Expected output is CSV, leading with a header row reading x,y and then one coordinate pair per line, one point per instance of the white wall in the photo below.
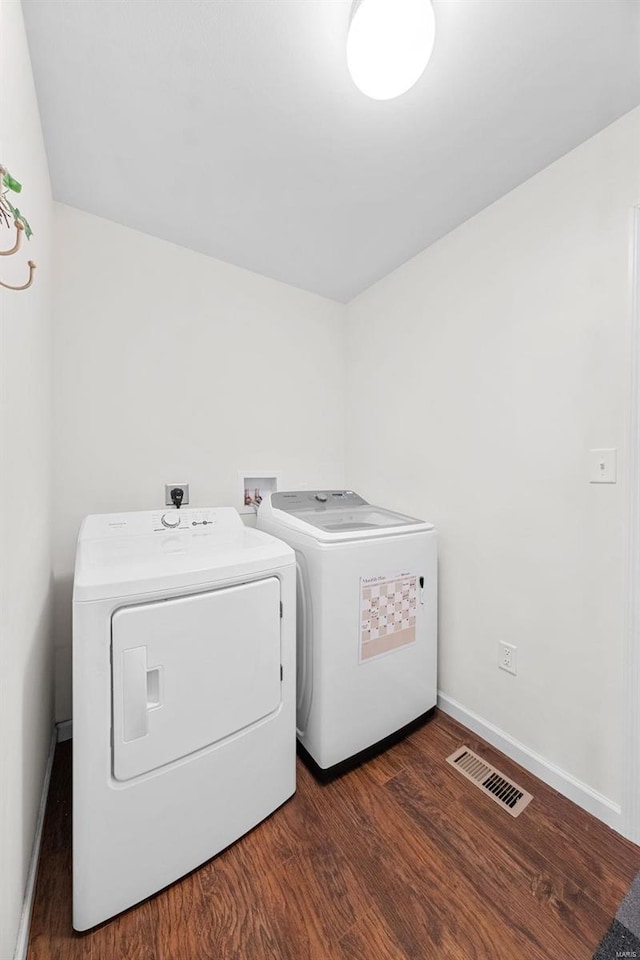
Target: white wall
x,y
26,690
478,377
480,374
174,367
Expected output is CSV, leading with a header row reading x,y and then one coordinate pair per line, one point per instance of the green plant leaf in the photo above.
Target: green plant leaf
x,y
11,183
28,232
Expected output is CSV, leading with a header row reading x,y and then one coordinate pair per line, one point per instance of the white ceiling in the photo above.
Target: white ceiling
x,y
232,126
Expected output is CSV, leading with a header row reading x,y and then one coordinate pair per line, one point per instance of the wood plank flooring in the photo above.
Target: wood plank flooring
x,y
401,859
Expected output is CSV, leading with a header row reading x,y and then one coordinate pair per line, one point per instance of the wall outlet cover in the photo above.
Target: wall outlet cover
x,y
168,487
507,658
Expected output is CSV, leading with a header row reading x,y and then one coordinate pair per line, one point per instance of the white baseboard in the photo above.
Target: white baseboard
x,y
566,784
65,730
22,943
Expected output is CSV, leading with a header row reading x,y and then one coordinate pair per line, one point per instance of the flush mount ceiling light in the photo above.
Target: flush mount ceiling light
x,y
389,45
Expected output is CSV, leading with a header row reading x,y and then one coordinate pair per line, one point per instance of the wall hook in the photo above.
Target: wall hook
x,y
14,249
24,286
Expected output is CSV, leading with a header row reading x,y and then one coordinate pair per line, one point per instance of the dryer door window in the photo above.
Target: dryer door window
x,y
191,671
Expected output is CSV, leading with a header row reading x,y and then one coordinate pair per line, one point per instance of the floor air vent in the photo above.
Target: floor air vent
x,y
505,792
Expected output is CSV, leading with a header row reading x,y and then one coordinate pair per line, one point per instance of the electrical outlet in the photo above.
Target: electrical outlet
x,y
507,657
168,487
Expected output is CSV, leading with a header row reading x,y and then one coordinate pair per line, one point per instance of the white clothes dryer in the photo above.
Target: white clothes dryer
x,y
183,697
367,622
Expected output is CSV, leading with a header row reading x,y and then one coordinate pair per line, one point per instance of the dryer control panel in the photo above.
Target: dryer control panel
x,y
197,520
184,519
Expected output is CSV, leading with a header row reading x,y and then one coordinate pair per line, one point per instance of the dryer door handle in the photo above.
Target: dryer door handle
x,y
134,693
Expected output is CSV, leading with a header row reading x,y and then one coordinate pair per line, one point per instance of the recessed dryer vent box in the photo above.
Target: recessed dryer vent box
x,y
254,485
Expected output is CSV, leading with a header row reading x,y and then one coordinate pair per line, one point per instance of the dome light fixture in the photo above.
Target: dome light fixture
x,y
389,45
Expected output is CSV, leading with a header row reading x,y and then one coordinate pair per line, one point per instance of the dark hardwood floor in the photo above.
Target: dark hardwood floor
x,y
401,858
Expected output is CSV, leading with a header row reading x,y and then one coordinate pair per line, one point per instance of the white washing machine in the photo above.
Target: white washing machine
x,y
183,697
367,621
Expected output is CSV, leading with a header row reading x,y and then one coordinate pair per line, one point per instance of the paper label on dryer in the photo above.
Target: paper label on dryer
x,y
388,606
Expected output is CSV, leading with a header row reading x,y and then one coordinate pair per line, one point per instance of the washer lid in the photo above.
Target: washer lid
x,y
127,554
335,515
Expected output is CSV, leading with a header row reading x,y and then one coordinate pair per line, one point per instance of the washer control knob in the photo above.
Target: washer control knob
x,y
322,497
170,520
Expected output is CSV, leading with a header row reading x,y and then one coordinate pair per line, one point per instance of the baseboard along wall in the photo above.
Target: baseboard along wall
x,y
22,942
566,784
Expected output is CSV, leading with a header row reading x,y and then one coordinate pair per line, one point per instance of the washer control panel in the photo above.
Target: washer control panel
x,y
295,500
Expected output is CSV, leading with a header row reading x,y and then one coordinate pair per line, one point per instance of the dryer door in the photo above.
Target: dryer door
x,y
190,671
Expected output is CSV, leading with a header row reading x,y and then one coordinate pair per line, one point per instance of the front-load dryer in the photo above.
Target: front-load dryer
x,y
367,621
183,697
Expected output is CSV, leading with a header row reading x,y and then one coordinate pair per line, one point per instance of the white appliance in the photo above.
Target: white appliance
x,y
183,697
367,621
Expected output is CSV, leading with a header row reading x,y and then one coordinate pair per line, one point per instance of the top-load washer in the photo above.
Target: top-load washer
x,y
367,620
183,697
